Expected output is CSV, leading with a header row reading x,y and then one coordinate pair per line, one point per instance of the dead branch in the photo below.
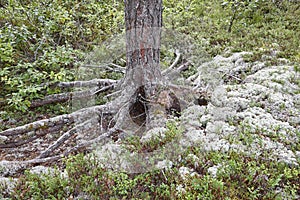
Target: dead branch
x,y
18,165
113,68
40,133
183,67
63,97
93,141
118,67
91,83
18,143
61,119
62,139
59,98
104,89
45,123
178,55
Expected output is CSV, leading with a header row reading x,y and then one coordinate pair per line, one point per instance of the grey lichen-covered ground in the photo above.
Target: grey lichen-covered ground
x,y
254,108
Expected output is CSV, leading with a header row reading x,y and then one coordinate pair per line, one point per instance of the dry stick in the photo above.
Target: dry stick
x,y
93,141
173,64
63,97
232,76
104,89
113,94
18,143
61,119
23,164
57,143
58,98
183,67
119,68
45,123
62,139
37,135
85,144
90,83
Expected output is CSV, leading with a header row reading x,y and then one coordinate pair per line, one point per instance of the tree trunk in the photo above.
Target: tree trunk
x,y
143,20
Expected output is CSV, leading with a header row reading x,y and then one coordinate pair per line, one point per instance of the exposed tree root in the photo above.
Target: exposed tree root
x,y
128,113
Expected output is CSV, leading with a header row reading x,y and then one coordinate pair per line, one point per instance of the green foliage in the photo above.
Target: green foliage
x,y
239,176
253,24
41,38
173,133
44,187
247,10
44,41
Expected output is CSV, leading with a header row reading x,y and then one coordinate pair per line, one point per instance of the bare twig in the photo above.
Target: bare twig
x,y
178,55
93,141
18,143
114,68
104,89
183,67
62,97
232,76
24,164
90,83
113,94
118,67
45,123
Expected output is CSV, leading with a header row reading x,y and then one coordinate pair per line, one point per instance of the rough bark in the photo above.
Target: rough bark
x,y
143,21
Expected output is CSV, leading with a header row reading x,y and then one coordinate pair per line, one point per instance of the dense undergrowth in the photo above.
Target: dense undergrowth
x,y
45,41
242,177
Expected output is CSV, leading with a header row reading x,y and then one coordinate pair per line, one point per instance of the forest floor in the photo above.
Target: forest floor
x,y
249,107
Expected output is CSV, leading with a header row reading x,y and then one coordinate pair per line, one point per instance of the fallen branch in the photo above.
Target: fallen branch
x,y
61,119
228,75
108,68
45,123
24,164
183,67
178,55
62,139
119,68
36,135
93,141
104,89
63,97
91,83
18,143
